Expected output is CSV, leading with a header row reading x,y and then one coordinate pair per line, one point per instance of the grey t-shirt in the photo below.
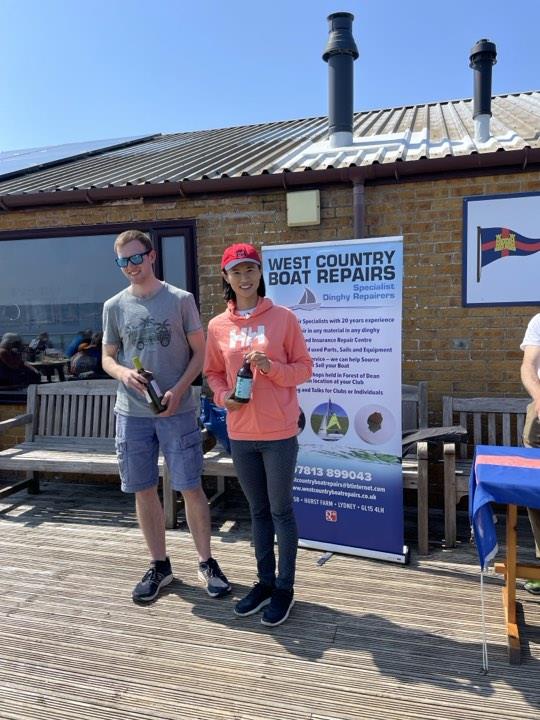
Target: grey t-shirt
x,y
155,328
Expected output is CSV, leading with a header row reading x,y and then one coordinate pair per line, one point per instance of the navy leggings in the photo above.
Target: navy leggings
x,y
265,470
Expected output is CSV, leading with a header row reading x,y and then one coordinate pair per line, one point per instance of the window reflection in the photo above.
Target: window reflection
x,y
59,284
56,285
173,249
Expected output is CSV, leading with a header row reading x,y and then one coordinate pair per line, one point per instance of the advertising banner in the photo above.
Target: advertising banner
x,y
347,296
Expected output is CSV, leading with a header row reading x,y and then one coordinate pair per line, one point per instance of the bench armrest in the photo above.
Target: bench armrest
x,y
25,419
450,434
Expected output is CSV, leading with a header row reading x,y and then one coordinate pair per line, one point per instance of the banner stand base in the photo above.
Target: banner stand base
x,y
402,558
324,558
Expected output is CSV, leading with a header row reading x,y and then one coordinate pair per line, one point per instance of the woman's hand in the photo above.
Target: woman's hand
x,y
259,359
231,404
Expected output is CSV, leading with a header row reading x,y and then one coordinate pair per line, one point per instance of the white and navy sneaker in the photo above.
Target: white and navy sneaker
x,y
216,583
279,608
258,597
156,577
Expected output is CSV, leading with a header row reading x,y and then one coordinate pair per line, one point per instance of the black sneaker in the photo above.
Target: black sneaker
x,y
257,598
216,582
279,608
157,576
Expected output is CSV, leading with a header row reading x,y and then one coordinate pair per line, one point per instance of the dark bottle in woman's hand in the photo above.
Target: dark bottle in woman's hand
x,y
244,383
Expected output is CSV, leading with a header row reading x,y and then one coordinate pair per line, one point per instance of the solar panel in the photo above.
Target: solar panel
x,y
15,162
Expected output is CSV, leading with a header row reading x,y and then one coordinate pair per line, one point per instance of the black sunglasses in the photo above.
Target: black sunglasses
x,y
133,259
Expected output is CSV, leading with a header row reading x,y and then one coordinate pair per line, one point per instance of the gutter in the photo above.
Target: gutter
x,y
505,160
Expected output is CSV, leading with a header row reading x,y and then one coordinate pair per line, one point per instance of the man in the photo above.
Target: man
x,y
161,325
530,377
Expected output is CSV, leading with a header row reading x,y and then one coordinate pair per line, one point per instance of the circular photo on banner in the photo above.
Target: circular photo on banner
x,y
374,424
329,421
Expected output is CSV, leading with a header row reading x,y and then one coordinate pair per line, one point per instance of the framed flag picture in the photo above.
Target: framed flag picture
x,y
501,249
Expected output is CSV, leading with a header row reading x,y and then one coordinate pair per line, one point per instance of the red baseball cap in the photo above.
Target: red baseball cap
x,y
239,253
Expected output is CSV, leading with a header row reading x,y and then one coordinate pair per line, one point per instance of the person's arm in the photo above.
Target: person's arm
x,y
174,395
216,374
129,376
529,374
215,369
11,360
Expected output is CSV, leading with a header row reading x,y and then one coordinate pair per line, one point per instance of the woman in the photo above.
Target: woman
x,y
262,431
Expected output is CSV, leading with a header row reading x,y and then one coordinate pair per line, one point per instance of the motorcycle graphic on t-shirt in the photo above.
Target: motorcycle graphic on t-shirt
x,y
149,332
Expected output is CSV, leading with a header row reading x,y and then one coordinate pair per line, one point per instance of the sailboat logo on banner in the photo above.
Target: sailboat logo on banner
x,y
329,421
308,301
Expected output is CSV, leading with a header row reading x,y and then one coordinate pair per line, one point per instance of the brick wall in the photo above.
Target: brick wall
x,y
427,213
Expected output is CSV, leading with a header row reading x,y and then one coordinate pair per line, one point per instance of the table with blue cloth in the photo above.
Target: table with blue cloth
x,y
510,476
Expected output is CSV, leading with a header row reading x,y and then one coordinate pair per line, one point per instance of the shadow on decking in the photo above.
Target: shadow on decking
x,y
397,651
360,630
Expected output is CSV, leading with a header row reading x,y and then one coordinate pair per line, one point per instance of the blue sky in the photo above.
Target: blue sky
x,y
75,71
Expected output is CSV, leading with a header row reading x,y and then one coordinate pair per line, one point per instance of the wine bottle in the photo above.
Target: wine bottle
x,y
244,383
151,389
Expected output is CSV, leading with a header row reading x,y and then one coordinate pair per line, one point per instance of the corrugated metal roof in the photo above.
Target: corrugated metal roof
x,y
430,131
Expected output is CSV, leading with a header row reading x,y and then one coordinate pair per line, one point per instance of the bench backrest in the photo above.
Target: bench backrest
x,y
75,409
414,406
85,408
489,421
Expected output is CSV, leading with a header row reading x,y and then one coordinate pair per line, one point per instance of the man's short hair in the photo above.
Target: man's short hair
x,y
129,236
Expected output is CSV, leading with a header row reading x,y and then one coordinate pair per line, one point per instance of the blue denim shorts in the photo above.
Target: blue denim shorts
x,y
139,441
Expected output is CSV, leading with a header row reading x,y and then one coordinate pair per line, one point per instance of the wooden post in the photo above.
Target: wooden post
x,y
423,498
449,495
169,499
509,590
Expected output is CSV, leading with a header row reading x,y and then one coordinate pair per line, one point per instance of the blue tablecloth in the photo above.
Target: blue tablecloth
x,y
506,475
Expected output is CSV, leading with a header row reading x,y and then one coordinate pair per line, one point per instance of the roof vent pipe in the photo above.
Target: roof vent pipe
x,y
483,57
340,54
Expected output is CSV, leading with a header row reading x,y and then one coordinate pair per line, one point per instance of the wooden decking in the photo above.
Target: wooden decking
x,y
365,640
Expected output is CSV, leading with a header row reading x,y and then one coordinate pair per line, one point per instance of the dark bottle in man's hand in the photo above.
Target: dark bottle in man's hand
x,y
244,383
152,390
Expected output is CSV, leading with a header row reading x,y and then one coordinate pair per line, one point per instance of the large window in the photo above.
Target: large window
x,y
58,282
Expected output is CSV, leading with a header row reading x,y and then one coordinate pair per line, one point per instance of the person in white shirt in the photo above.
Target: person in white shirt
x,y
530,377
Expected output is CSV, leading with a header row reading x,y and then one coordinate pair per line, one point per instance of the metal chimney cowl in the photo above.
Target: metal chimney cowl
x,y
482,58
340,54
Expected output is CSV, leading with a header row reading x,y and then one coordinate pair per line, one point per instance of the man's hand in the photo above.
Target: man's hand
x,y
171,399
132,379
231,404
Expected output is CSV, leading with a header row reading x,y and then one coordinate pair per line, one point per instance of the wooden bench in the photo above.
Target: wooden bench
x,y
489,421
70,428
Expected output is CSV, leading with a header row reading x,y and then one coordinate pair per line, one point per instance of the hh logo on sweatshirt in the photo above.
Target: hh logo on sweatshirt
x,y
246,337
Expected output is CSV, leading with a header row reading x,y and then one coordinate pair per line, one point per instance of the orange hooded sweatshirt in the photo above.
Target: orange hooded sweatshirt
x,y
272,413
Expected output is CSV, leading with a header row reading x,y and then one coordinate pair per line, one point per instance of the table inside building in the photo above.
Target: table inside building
x,y
50,366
